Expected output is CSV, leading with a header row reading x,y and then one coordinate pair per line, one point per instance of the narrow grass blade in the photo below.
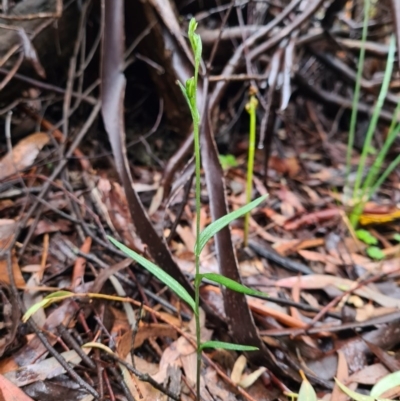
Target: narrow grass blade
x,y
374,118
386,383
356,96
169,281
217,225
228,346
374,170
231,284
386,173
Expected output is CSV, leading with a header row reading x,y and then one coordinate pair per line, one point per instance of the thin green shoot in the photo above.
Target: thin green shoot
x,y
363,190
190,93
357,89
251,108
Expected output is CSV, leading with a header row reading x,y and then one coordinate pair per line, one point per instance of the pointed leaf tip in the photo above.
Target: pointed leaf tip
x,y
227,346
222,222
232,284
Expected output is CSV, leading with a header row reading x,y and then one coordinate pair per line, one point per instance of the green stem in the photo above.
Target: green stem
x,y
196,43
368,192
361,194
197,282
197,255
251,108
373,122
383,177
354,112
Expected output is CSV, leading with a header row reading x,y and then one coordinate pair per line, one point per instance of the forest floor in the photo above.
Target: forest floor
x,y
105,148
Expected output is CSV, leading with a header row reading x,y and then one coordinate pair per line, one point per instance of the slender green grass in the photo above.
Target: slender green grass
x,y
189,90
357,89
364,189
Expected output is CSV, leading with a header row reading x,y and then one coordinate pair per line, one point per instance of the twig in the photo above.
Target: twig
x,y
144,377
55,174
280,260
42,337
75,346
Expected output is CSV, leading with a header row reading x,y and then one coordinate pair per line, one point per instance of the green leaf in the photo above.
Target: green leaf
x,y
222,222
356,396
192,27
231,284
59,295
375,253
164,277
396,237
227,161
183,89
47,301
228,346
366,237
195,41
197,49
386,383
191,90
307,392
33,309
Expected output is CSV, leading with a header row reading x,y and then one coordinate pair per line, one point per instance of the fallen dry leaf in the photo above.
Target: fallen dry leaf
x,y
238,368
23,154
19,280
321,281
155,330
42,370
7,229
342,374
369,375
250,379
11,392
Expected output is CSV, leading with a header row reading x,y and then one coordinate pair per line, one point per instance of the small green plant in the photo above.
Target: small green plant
x,y
364,188
366,237
251,108
373,251
189,91
227,161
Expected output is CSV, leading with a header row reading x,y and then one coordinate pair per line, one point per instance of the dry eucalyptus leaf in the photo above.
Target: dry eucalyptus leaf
x,y
238,368
23,154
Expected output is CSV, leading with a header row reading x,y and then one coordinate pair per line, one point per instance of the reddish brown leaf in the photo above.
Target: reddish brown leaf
x,y
10,392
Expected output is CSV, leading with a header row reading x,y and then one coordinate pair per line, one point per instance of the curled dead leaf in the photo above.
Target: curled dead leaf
x,y
23,154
